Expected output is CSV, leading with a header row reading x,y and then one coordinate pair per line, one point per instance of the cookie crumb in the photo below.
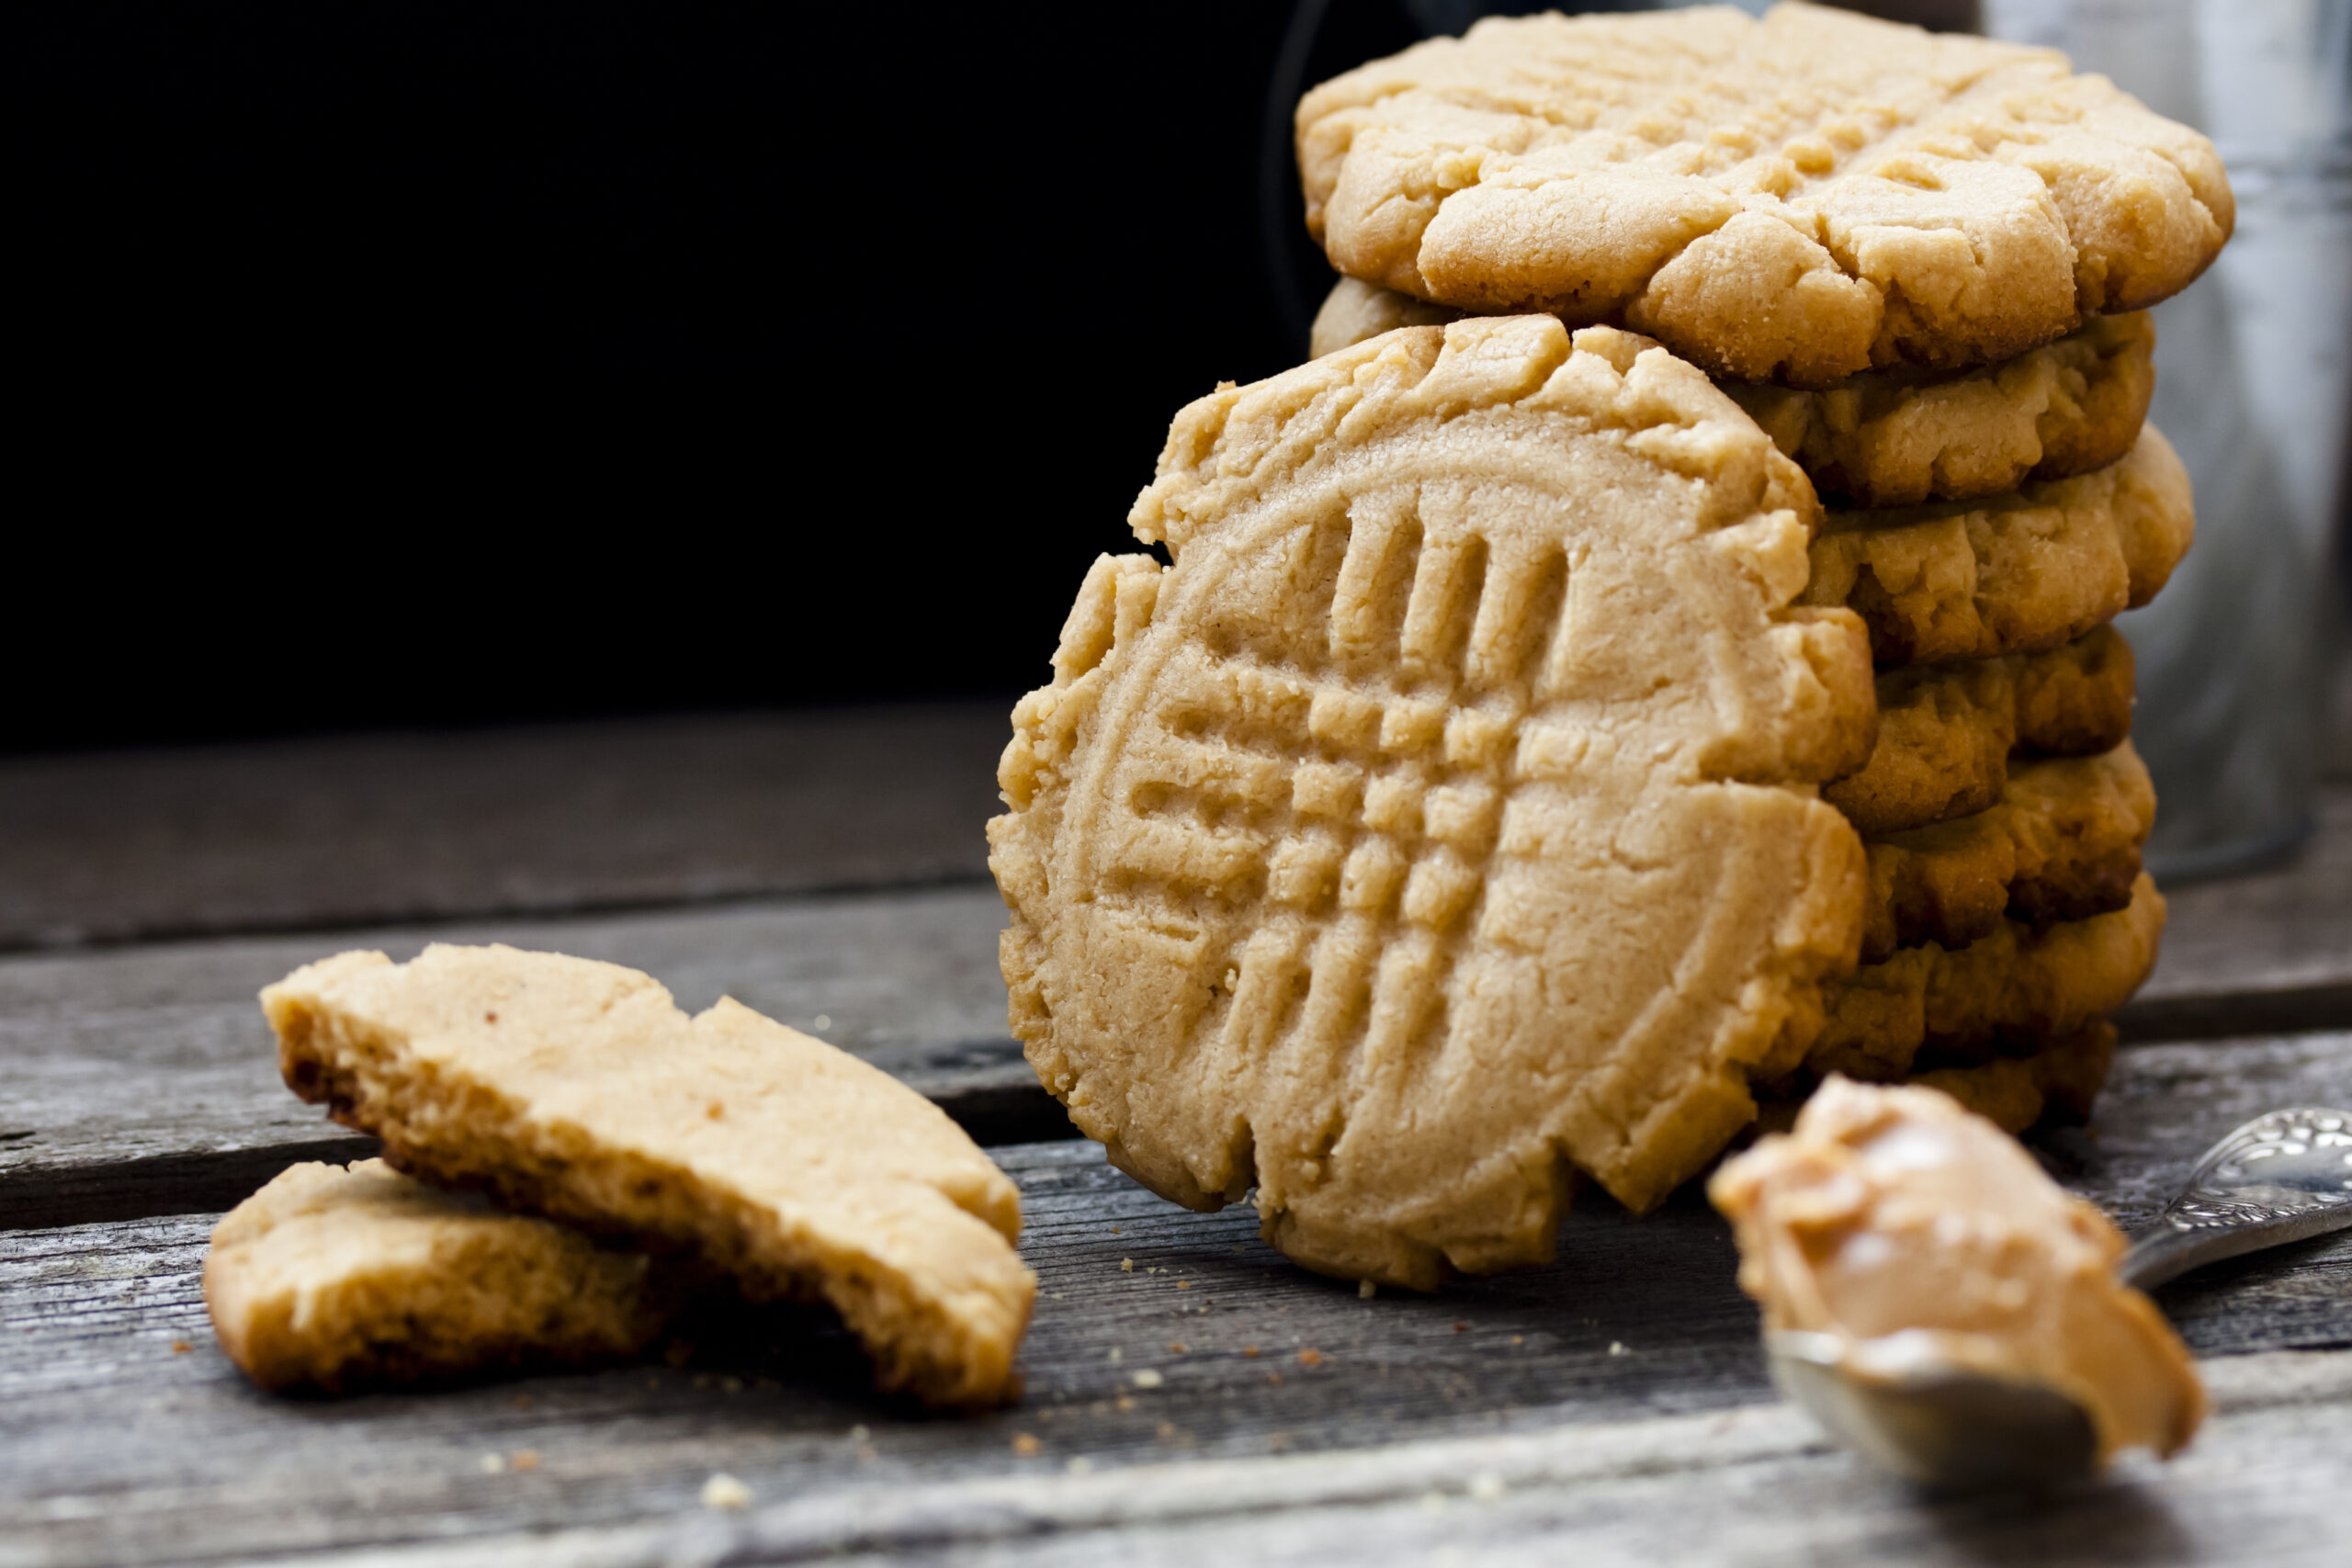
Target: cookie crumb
x,y
1123,1402
1250,1351
1275,1378
524,1459
1519,1339
1310,1357
1365,1290
1177,1346
1183,1285
181,1347
1149,1378
723,1491
1025,1444
1461,1328
1127,1265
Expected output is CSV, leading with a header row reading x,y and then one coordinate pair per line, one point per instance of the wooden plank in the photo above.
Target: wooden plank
x,y
374,829
143,1080
2271,951
1752,1485
908,979
1629,1363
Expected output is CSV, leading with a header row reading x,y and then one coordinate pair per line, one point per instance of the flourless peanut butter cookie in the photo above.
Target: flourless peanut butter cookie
x,y
2030,569
1901,436
2015,988
1442,820
1796,198
2062,843
1946,731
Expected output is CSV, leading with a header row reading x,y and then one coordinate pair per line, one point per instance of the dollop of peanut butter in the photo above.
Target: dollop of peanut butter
x,y
1914,1231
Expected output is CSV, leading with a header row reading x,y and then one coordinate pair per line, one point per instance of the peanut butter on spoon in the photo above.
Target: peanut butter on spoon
x,y
1919,1236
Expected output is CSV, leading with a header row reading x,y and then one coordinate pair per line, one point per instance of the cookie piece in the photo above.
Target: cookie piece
x,y
1945,731
1798,198
1898,437
2032,569
576,1090
336,1278
2020,985
1443,818
2063,843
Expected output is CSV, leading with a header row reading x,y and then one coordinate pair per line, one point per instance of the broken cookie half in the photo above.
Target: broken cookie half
x,y
332,1277
578,1091
1445,819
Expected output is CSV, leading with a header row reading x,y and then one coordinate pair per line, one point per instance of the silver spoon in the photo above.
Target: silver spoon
x,y
2280,1178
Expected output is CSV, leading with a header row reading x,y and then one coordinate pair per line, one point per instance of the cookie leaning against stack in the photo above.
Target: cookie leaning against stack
x,y
1865,233
1445,819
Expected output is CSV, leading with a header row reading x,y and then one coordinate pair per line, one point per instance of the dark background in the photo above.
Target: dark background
x,y
395,364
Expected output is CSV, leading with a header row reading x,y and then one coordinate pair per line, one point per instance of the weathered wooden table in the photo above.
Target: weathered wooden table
x,y
1191,1396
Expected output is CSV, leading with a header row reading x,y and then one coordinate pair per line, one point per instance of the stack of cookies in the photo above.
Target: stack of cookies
x,y
1513,774
1931,297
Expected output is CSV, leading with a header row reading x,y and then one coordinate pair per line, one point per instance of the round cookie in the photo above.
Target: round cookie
x,y
2030,569
2017,987
2062,843
1442,820
1945,731
1796,198
1898,437
1902,436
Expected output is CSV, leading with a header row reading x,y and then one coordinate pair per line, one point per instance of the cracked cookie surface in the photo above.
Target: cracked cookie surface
x,y
579,1090
1799,198
1899,437
1946,731
2030,569
335,1278
1442,819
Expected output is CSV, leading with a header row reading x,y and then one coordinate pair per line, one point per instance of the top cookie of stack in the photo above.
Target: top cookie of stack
x,y
1799,198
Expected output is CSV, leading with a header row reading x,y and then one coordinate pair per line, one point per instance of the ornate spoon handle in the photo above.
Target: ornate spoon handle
x,y
2279,1177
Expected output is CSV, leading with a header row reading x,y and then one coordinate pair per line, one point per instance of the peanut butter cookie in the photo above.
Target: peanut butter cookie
x,y
1898,437
2020,985
1946,731
2063,843
1797,198
578,1091
1442,819
2030,569
2055,1082
335,1278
